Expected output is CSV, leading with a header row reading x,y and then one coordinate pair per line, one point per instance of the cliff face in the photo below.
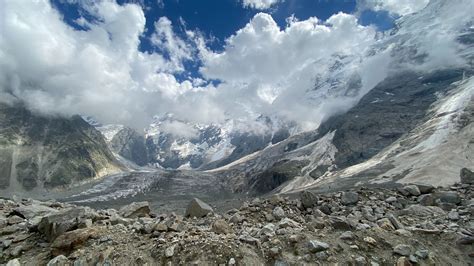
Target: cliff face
x,y
48,152
129,144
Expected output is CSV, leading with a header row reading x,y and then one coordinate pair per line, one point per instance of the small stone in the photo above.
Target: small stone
x,y
231,261
316,246
391,199
169,251
395,222
221,227
349,198
385,223
161,227
453,215
403,261
426,200
236,218
60,260
339,223
448,197
274,251
402,250
13,262
278,213
422,254
360,261
69,241
287,222
347,235
413,190
370,240
268,230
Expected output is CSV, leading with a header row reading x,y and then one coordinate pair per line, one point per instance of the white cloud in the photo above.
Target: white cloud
x,y
303,72
398,7
260,4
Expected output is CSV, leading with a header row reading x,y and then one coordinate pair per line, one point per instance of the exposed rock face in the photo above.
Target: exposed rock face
x,y
131,145
374,231
37,151
198,208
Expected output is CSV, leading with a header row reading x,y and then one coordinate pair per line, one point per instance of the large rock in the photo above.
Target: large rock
x,y
422,211
467,176
30,211
221,227
308,199
198,208
450,197
412,190
349,198
56,224
135,210
69,241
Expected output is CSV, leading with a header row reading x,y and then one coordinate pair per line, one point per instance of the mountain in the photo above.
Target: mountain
x,y
39,152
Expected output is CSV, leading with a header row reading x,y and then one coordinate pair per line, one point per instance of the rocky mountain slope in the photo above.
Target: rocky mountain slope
x,y
38,152
411,225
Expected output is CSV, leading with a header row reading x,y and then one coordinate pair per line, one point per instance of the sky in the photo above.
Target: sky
x,y
209,61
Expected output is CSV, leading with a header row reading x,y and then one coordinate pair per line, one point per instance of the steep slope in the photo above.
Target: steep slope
x,y
47,152
130,144
354,144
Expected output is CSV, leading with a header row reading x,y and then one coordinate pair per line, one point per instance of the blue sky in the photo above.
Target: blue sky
x,y
219,19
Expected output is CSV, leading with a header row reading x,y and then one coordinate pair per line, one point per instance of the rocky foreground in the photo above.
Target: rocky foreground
x,y
410,225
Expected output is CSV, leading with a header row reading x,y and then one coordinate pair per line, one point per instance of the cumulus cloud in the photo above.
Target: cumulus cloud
x,y
397,7
260,4
303,72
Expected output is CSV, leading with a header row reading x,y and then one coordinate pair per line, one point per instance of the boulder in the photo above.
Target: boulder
x,y
69,241
317,246
198,208
220,226
450,197
278,213
422,211
308,199
412,190
349,198
13,262
57,223
339,223
135,210
30,211
467,176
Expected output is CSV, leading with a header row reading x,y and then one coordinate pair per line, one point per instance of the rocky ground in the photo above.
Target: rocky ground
x,y
409,225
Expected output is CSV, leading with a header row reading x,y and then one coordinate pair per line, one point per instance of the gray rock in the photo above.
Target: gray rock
x,y
268,230
448,197
60,260
391,199
287,222
317,246
425,189
422,254
395,222
426,200
169,251
58,223
413,190
278,213
402,250
339,223
348,235
13,262
30,211
308,199
220,226
349,198
135,210
198,208
467,176
453,215
422,211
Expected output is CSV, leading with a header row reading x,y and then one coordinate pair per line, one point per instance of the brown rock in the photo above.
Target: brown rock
x,y
69,241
